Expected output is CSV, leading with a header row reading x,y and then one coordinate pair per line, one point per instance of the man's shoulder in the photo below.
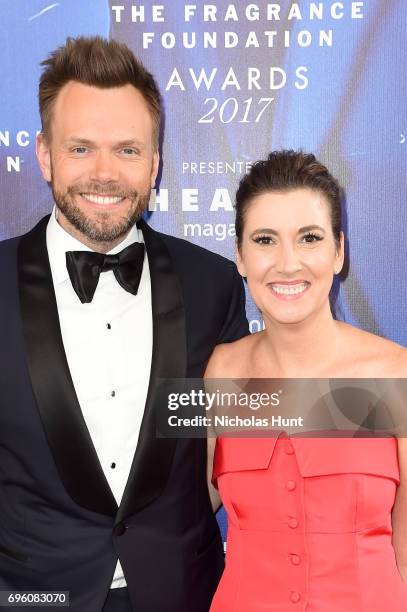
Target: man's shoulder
x,y
9,246
8,261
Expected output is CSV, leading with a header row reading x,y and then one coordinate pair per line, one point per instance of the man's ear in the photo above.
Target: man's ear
x,y
155,167
42,151
239,262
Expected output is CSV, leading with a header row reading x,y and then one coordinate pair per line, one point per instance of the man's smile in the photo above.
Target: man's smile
x,y
102,200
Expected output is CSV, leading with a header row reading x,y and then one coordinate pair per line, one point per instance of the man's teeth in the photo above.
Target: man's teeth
x,y
290,289
97,199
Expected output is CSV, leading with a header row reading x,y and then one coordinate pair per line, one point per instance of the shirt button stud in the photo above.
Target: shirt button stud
x,y
108,326
295,597
293,523
295,559
290,485
113,393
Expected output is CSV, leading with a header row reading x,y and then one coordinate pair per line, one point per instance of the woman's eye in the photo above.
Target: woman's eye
x,y
263,240
310,238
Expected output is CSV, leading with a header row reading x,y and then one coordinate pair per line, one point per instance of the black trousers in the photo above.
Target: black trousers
x,y
118,601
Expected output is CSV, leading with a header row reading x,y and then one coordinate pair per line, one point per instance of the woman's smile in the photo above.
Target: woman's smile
x,y
289,290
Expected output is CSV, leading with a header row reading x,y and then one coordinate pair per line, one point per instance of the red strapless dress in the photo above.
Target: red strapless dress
x,y
309,525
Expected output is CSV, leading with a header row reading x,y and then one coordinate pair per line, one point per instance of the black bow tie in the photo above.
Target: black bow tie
x,y
84,268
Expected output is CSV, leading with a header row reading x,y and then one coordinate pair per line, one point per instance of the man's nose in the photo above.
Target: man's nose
x,y
104,169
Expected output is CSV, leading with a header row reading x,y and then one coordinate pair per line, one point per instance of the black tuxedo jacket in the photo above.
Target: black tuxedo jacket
x,y
60,527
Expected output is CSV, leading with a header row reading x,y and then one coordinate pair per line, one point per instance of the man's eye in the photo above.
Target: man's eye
x,y
79,150
129,151
263,240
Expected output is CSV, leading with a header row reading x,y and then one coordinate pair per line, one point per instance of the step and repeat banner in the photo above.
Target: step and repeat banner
x,y
238,80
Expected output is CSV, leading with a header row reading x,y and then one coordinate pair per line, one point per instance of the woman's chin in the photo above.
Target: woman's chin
x,y
287,315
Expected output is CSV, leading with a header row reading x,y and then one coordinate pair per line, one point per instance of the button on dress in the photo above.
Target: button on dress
x,y
309,525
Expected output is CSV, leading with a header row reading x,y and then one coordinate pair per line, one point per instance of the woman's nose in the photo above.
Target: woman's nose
x,y
288,261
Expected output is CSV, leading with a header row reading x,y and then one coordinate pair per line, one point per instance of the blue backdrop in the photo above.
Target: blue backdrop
x,y
328,77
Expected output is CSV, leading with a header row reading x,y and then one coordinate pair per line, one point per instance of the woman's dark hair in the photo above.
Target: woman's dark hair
x,y
285,171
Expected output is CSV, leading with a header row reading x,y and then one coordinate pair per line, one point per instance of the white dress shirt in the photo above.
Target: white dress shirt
x,y
108,345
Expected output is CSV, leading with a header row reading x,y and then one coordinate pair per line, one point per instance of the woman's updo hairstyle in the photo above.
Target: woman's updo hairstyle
x,y
285,171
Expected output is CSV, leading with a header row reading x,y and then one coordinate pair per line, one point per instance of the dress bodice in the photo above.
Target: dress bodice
x,y
309,524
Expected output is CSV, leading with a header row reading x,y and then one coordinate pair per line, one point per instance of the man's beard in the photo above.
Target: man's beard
x,y
100,227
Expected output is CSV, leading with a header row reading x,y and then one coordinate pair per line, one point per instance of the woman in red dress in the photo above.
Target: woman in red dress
x,y
314,524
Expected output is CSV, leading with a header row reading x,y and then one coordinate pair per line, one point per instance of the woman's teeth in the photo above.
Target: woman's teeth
x,y
289,289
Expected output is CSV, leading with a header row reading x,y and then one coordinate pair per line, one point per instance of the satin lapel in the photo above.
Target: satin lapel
x,y
65,428
153,458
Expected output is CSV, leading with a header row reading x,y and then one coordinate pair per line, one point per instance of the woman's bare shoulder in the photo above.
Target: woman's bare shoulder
x,y
398,361
230,360
383,357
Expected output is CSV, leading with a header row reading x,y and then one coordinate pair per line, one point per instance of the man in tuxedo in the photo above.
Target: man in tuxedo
x,y
96,308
